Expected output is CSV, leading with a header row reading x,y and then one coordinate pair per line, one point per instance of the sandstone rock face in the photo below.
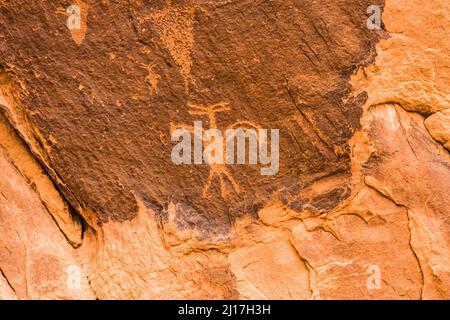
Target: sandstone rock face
x,y
93,206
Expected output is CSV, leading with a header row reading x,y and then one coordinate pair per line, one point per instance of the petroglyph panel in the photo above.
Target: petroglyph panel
x,y
104,107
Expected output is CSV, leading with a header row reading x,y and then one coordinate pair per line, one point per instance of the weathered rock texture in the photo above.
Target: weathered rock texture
x,y
92,206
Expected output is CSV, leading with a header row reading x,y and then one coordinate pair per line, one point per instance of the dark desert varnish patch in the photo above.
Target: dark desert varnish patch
x,y
109,102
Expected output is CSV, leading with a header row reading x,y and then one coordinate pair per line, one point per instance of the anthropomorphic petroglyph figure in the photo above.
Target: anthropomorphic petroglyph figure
x,y
217,170
152,77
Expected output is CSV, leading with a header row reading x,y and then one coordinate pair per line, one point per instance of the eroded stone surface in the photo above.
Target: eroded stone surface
x,y
365,218
35,258
104,107
406,161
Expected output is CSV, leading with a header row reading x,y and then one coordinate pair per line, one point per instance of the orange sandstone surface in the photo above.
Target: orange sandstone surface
x,y
92,205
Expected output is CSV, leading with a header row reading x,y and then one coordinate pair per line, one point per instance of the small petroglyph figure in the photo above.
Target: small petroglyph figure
x,y
152,77
73,281
74,19
374,21
374,277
